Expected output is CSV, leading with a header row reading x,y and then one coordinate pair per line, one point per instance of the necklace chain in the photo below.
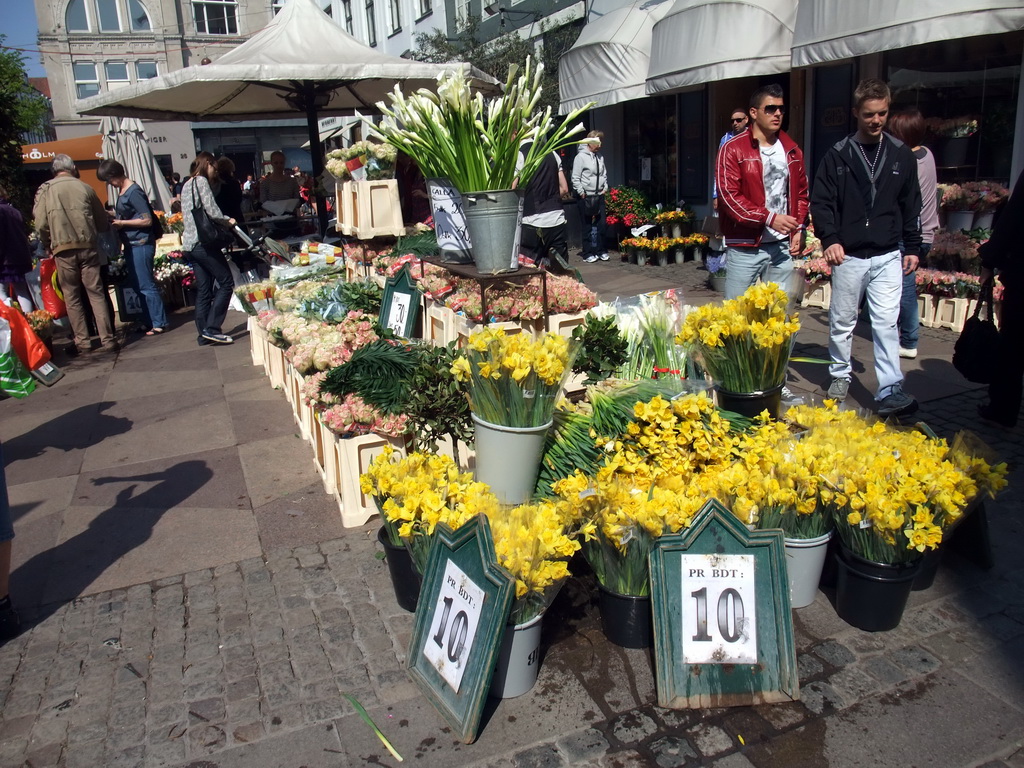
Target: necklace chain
x,y
871,164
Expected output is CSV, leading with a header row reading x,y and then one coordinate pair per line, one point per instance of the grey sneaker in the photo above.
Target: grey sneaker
x,y
908,353
897,403
791,398
838,389
603,257
591,258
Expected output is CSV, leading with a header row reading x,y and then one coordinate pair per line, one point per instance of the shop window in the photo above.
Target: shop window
x,y
76,18
216,17
145,70
371,23
116,73
651,156
395,8
346,8
138,17
967,91
87,83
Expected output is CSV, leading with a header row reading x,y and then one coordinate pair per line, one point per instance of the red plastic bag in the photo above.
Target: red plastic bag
x,y
53,296
26,345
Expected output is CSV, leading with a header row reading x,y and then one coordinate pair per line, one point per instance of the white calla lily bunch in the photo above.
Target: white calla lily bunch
x,y
473,142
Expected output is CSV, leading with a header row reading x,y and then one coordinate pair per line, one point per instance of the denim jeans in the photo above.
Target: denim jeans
x,y
769,262
910,319
139,260
882,278
211,301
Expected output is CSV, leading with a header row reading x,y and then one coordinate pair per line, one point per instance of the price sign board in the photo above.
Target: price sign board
x,y
400,305
723,631
460,621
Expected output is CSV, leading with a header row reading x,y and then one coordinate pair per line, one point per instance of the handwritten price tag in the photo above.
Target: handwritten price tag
x,y
719,622
454,625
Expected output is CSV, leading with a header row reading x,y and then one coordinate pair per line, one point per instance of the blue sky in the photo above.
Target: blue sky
x,y
20,27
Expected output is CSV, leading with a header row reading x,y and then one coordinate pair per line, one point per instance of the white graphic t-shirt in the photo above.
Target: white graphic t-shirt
x,y
776,185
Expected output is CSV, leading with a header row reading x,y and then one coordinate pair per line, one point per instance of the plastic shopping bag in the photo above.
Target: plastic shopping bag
x,y
53,296
14,379
24,342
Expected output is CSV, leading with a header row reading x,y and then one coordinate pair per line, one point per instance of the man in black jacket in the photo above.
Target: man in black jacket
x,y
865,201
1004,251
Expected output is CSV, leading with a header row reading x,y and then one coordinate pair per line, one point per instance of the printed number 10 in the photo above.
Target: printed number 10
x,y
457,636
725,620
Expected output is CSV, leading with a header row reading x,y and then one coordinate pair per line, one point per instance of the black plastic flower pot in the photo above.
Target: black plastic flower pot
x,y
872,596
404,578
626,619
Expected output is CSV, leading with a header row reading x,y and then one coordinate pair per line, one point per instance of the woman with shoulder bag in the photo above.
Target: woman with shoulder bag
x,y
205,239
133,219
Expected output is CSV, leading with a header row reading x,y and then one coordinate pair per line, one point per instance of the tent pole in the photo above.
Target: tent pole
x,y
315,152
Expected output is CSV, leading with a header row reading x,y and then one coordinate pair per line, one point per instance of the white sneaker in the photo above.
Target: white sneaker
x,y
590,259
909,354
603,257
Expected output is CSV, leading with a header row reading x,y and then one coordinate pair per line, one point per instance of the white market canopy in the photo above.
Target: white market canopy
x,y
251,82
829,30
609,62
702,41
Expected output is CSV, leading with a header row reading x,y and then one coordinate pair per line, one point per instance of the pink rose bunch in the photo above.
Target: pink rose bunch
x,y
353,416
566,294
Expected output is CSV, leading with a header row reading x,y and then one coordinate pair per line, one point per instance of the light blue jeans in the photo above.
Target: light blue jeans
x,y
882,278
769,262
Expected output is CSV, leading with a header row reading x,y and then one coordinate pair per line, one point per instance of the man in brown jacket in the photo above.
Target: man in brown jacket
x,y
68,217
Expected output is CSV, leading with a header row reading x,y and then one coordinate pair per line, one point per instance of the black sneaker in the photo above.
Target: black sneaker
x,y
897,403
10,624
218,338
203,342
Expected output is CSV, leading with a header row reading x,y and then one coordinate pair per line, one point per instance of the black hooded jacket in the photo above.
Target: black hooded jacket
x,y
867,219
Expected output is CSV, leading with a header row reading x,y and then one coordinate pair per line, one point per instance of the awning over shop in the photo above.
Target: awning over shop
x,y
86,151
701,41
609,62
829,30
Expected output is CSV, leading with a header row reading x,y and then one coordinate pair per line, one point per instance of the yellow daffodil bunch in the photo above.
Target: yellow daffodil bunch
x,y
514,380
744,342
534,543
417,493
893,493
655,477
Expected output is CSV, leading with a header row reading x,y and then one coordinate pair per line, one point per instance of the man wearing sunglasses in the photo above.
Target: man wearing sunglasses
x,y
738,122
762,193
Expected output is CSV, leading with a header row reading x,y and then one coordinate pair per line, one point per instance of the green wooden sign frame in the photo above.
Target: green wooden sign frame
x,y
401,298
466,555
705,653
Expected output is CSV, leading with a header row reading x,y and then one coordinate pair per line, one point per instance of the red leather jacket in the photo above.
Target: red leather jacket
x,y
740,179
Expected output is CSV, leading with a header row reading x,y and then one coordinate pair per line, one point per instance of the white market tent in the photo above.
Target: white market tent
x,y
702,41
829,30
302,62
124,140
609,62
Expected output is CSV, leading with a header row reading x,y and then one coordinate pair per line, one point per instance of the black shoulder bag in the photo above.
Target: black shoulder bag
x,y
976,352
208,231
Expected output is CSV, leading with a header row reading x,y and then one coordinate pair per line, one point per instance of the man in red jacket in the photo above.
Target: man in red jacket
x,y
762,197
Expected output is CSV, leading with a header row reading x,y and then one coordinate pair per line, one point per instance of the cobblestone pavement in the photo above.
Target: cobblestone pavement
x,y
244,662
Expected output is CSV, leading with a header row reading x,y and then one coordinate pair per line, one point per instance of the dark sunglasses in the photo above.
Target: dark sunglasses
x,y
771,109
738,119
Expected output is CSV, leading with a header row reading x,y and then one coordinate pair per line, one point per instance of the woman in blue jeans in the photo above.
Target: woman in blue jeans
x,y
214,282
133,219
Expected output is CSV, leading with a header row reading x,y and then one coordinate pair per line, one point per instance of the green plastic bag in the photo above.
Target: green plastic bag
x,y
14,379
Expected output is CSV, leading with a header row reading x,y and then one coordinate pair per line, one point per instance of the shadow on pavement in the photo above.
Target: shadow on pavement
x,y
67,570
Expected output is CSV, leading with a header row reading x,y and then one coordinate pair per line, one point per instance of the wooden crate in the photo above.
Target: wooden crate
x,y
370,208
563,323
257,340
301,411
353,456
953,313
464,328
275,366
325,445
439,324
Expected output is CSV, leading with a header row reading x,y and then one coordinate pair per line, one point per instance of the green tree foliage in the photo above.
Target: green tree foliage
x,y
22,109
496,56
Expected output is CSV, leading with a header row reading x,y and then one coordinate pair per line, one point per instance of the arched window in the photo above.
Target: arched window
x,y
138,17
76,19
